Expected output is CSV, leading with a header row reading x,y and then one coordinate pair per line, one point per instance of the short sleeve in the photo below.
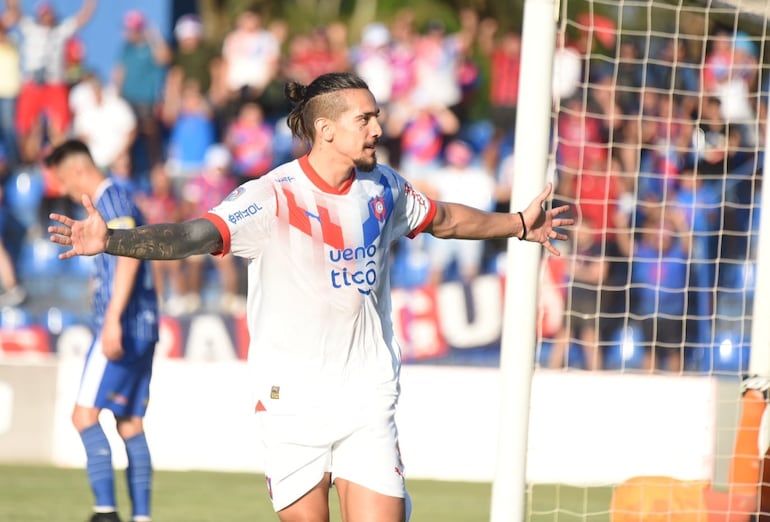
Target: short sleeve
x,y
245,218
414,211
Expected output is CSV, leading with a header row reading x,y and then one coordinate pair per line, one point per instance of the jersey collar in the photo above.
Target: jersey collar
x,y
106,182
319,182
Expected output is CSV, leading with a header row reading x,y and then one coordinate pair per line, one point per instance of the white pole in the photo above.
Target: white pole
x,y
759,360
517,355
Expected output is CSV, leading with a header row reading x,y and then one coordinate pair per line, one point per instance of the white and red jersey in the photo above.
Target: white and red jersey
x,y
318,305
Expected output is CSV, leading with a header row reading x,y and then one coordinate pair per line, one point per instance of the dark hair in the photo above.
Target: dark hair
x,y
63,151
311,101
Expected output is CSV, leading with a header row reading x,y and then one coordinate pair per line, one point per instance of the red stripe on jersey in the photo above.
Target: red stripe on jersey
x,y
332,232
425,222
300,217
224,231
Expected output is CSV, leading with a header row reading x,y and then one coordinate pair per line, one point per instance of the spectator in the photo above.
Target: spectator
x,y
194,62
251,57
587,268
674,72
700,205
160,205
504,92
469,66
403,54
194,58
628,78
139,76
459,181
11,291
10,85
402,64
44,89
421,123
106,124
579,136
373,62
436,61
567,70
250,140
715,143
192,132
659,281
312,54
200,195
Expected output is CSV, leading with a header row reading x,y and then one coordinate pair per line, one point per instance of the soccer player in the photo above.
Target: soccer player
x,y
118,365
317,232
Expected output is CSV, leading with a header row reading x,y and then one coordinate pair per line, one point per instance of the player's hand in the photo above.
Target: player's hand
x,y
541,223
112,339
87,237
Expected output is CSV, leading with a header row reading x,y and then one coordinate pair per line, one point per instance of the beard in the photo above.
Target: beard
x,y
366,164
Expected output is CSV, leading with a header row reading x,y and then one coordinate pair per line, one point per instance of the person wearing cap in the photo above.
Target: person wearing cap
x,y
44,88
194,67
372,61
194,58
139,76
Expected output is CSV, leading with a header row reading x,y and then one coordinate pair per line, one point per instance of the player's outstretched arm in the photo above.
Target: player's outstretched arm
x,y
91,236
538,225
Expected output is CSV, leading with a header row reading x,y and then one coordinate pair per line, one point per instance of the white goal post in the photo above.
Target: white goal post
x,y
523,348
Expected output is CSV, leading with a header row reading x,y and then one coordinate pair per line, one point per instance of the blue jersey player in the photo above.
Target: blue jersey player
x,y
118,366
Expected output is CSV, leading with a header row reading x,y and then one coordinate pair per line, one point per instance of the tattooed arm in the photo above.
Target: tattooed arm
x,y
91,236
165,240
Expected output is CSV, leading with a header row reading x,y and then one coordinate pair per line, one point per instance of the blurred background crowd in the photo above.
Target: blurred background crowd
x,y
656,142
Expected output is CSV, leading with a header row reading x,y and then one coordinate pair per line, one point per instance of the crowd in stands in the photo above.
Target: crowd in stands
x,y
655,147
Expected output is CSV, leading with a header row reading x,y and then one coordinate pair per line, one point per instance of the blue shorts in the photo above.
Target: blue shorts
x,y
123,386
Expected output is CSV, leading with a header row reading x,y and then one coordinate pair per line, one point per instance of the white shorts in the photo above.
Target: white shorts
x,y
362,449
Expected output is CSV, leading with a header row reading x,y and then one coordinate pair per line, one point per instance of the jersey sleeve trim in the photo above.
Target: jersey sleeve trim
x,y
224,231
425,222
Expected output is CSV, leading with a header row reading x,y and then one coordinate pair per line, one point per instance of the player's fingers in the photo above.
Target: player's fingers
x,y
545,193
562,222
560,236
68,254
560,210
62,240
551,248
87,204
64,220
61,231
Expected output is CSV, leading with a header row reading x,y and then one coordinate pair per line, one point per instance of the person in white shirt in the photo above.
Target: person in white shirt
x,y
105,122
251,54
324,359
44,84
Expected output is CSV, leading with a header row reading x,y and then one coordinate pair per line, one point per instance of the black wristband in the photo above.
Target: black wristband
x,y
523,227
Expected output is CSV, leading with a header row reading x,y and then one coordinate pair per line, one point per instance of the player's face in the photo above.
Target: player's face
x,y
68,173
357,131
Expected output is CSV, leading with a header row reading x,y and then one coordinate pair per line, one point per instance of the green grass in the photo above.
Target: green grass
x,y
46,494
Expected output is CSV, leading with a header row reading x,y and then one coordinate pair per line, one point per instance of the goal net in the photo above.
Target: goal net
x,y
658,138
